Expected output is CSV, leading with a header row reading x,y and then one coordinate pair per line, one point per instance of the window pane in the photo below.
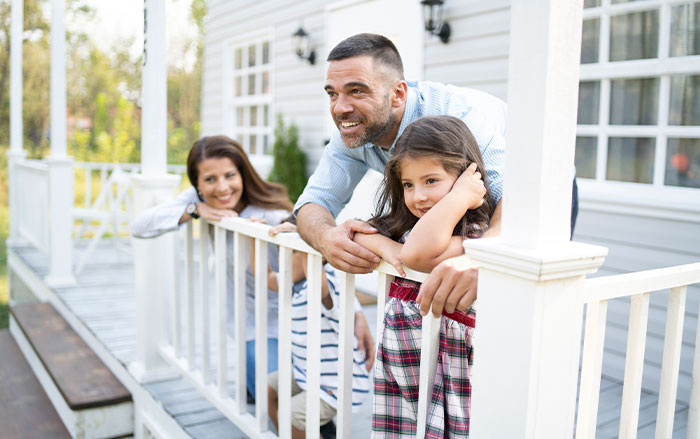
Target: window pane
x,y
266,115
683,163
685,30
239,58
266,145
590,41
634,36
253,144
588,102
253,116
251,84
251,56
238,85
239,116
591,3
621,1
634,101
684,108
265,83
631,159
586,153
266,52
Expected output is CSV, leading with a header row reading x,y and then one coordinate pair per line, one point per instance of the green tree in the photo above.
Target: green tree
x,y
289,161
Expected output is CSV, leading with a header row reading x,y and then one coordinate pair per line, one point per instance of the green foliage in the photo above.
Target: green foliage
x,y
289,165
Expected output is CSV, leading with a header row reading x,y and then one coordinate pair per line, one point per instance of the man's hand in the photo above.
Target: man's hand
x,y
365,342
451,285
337,246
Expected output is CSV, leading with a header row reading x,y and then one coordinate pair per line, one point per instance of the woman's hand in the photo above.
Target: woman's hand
x,y
470,187
213,214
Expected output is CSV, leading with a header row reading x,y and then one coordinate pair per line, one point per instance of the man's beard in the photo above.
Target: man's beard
x,y
372,132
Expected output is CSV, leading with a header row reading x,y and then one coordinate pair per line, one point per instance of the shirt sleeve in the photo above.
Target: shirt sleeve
x,y
334,179
163,217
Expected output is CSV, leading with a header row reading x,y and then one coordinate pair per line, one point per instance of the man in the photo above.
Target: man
x,y
371,104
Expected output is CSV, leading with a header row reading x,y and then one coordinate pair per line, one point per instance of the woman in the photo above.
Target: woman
x,y
225,184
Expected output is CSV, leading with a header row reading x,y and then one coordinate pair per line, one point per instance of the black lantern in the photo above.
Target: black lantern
x,y
432,15
303,49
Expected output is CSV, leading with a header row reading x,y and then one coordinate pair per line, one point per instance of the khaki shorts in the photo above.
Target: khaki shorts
x,y
299,403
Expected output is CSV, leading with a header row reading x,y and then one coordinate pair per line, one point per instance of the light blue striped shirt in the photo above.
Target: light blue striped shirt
x,y
341,168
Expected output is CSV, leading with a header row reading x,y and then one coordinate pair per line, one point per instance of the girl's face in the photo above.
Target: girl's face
x,y
220,182
424,182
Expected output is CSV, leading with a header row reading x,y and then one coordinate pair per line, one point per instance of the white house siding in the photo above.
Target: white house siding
x,y
476,56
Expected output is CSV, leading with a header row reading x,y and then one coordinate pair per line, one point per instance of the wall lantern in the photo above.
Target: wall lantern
x,y
432,15
304,50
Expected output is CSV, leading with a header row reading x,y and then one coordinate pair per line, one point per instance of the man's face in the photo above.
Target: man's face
x,y
360,97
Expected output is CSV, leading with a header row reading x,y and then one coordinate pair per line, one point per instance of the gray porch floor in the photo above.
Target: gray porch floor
x,y
103,299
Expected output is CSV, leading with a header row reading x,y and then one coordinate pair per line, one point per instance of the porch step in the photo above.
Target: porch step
x,y
26,410
89,399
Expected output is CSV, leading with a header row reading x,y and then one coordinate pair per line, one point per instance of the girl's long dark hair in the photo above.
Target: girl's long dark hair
x,y
447,140
256,191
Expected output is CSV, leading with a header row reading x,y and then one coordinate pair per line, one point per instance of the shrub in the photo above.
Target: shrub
x,y
289,161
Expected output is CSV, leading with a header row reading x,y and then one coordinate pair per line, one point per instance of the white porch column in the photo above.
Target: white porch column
x,y
60,165
154,279
16,152
530,301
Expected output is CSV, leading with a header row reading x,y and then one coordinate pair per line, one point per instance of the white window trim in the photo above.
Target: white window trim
x,y
262,162
677,200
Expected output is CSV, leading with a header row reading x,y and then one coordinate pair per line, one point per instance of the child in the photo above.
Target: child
x,y
433,197
330,315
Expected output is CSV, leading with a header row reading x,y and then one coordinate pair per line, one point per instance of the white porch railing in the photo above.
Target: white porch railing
x,y
32,189
638,286
190,348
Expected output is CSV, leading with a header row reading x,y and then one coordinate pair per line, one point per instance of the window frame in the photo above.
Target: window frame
x,y
661,67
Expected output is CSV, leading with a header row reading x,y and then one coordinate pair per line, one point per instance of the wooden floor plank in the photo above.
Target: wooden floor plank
x,y
26,410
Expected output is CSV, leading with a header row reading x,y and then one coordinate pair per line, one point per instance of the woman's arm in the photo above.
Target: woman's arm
x,y
163,217
431,241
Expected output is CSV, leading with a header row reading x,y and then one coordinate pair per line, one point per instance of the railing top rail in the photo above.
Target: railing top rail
x,y
125,166
35,165
294,241
628,284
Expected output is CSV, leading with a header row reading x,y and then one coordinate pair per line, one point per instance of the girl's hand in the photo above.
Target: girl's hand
x,y
470,187
285,227
392,255
207,212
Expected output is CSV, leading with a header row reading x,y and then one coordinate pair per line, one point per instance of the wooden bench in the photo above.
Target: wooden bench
x,y
89,399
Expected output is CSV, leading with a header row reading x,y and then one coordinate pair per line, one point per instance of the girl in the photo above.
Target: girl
x,y
225,184
434,196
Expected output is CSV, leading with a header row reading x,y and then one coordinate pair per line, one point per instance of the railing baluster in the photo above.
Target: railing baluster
x,y
261,334
88,186
345,351
239,267
694,410
220,256
671,362
177,296
383,284
430,345
592,364
204,296
189,282
634,365
313,347
284,357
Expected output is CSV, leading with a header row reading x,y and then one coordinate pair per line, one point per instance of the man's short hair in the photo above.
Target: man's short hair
x,y
379,47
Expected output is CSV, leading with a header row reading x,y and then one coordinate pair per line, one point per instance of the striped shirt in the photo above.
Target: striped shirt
x,y
340,168
330,327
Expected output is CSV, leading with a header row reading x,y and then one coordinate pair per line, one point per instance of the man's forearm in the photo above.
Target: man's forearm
x,y
311,220
495,222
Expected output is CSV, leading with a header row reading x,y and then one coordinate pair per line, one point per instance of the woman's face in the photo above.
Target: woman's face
x,y
219,182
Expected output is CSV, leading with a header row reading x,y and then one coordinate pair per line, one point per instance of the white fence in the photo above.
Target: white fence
x,y
190,350
638,286
32,180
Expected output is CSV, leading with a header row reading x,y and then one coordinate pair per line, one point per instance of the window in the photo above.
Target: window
x,y
250,114
639,94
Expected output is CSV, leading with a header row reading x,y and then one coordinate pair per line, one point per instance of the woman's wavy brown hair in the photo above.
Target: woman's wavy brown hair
x,y
256,191
447,140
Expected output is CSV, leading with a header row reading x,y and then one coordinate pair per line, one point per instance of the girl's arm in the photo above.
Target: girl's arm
x,y
385,248
431,241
